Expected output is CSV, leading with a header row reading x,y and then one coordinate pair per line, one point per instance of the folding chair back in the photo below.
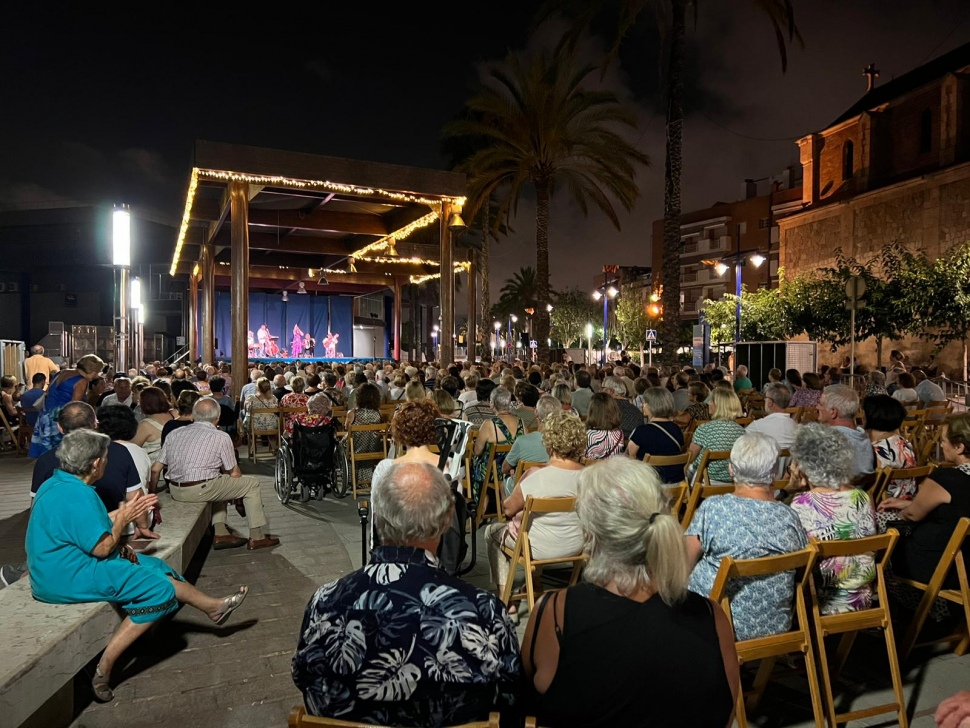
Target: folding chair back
x,y
255,434
521,552
849,624
807,414
12,429
886,476
660,461
677,499
952,558
524,466
354,432
490,496
299,719
767,649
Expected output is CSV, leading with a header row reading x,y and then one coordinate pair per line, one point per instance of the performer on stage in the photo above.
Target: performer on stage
x,y
330,344
309,343
296,346
262,336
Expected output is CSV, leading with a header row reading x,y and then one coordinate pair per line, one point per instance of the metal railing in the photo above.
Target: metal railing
x,y
178,356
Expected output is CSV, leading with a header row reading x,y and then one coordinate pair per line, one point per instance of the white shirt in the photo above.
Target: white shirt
x,y
778,426
468,398
930,391
113,399
143,463
905,395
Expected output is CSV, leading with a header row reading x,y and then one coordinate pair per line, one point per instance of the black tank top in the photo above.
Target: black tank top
x,y
630,664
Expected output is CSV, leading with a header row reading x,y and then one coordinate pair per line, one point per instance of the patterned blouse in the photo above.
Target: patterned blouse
x,y
261,422
292,400
716,436
699,411
400,642
844,582
896,452
805,397
745,528
602,444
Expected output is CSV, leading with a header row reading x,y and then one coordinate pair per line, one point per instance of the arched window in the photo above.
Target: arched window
x,y
848,167
926,132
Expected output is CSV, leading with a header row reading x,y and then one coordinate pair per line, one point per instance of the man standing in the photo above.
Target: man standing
x,y
400,641
838,407
202,468
121,394
262,336
37,363
777,424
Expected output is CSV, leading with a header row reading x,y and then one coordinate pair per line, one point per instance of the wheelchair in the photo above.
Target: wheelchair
x,y
306,465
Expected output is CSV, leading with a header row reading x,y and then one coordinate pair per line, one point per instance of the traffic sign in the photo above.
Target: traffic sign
x,y
533,344
855,288
651,334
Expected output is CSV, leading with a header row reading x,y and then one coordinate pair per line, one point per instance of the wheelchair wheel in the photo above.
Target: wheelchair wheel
x,y
341,483
284,476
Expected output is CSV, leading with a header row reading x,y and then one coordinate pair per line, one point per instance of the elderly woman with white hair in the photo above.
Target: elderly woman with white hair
x,y
833,510
748,524
76,554
634,602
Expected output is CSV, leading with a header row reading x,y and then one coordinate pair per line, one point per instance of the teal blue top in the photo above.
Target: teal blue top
x,y
66,523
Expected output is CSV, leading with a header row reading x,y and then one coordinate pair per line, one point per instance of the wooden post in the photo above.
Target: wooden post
x,y
396,353
193,329
471,339
447,333
208,304
239,285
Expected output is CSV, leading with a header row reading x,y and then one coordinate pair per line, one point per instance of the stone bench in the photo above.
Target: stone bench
x,y
43,646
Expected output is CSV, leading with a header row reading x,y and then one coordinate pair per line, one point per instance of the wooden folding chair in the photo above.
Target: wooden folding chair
x,y
521,553
387,411
754,406
744,421
25,433
660,461
254,435
491,493
807,414
299,719
677,499
12,429
523,466
886,476
364,457
952,557
797,640
849,624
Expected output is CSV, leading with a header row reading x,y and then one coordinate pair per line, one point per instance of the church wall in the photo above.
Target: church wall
x,y
831,184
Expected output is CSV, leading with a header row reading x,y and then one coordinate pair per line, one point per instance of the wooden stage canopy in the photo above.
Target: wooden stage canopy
x,y
267,219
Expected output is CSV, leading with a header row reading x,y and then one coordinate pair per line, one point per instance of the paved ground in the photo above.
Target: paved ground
x,y
189,673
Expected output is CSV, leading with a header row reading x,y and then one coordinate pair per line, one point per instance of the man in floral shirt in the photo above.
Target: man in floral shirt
x,y
400,642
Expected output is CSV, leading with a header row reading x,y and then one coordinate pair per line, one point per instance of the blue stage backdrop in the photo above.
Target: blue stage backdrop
x,y
313,314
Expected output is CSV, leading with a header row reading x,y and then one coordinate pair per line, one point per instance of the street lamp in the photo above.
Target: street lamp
x,y
589,343
497,326
513,319
434,339
606,293
121,259
740,259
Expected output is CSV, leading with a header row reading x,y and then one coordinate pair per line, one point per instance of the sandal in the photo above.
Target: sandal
x,y
100,688
230,604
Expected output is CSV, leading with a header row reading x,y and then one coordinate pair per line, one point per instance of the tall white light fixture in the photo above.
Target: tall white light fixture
x,y
121,237
121,259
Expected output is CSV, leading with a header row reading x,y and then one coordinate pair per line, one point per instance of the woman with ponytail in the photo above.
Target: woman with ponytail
x,y
631,646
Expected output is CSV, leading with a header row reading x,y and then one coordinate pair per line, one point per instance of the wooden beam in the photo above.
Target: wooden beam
x,y
302,274
338,222
213,228
239,289
447,288
275,162
204,210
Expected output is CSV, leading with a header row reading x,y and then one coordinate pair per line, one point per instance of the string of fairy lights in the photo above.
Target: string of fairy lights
x,y
385,244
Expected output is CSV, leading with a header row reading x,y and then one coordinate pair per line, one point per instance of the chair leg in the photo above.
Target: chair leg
x,y
760,683
813,686
912,632
577,570
826,676
897,677
842,654
529,587
739,712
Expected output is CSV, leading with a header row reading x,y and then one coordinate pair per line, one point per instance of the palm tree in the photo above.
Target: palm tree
x,y
544,129
520,292
671,17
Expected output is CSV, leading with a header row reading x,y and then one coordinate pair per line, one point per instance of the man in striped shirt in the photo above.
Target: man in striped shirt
x,y
202,468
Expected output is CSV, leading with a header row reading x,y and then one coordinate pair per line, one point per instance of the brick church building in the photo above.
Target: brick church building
x,y
894,168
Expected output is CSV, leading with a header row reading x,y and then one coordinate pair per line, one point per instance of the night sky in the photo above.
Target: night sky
x,y
101,102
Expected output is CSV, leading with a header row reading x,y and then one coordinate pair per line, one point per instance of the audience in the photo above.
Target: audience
x,y
838,407
30,398
630,417
884,416
400,642
501,429
184,404
776,424
530,447
366,410
660,436
810,394
412,429
718,435
585,658
603,433
155,415
70,385
75,554
551,535
747,524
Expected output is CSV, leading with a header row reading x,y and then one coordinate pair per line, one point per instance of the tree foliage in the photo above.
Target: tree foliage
x,y
572,310
632,320
518,293
763,316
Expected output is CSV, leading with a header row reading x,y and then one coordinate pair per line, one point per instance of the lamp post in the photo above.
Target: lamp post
x,y
497,327
434,340
740,260
606,293
121,259
512,320
589,343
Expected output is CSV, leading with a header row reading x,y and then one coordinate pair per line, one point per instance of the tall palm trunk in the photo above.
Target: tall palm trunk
x,y
541,316
485,321
670,277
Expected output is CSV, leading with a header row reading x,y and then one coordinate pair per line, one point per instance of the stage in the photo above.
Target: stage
x,y
310,359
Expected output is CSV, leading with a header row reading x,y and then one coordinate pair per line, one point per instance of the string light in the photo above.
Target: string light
x,y
280,181
186,214
459,267
387,242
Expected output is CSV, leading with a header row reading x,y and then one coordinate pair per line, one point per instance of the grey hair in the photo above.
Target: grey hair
x,y
631,537
779,394
546,406
843,399
617,385
79,449
412,503
659,401
753,459
319,404
742,370
824,454
501,399
877,377
206,410
562,392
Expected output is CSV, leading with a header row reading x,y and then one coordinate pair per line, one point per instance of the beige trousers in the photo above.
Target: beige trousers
x,y
225,488
497,534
